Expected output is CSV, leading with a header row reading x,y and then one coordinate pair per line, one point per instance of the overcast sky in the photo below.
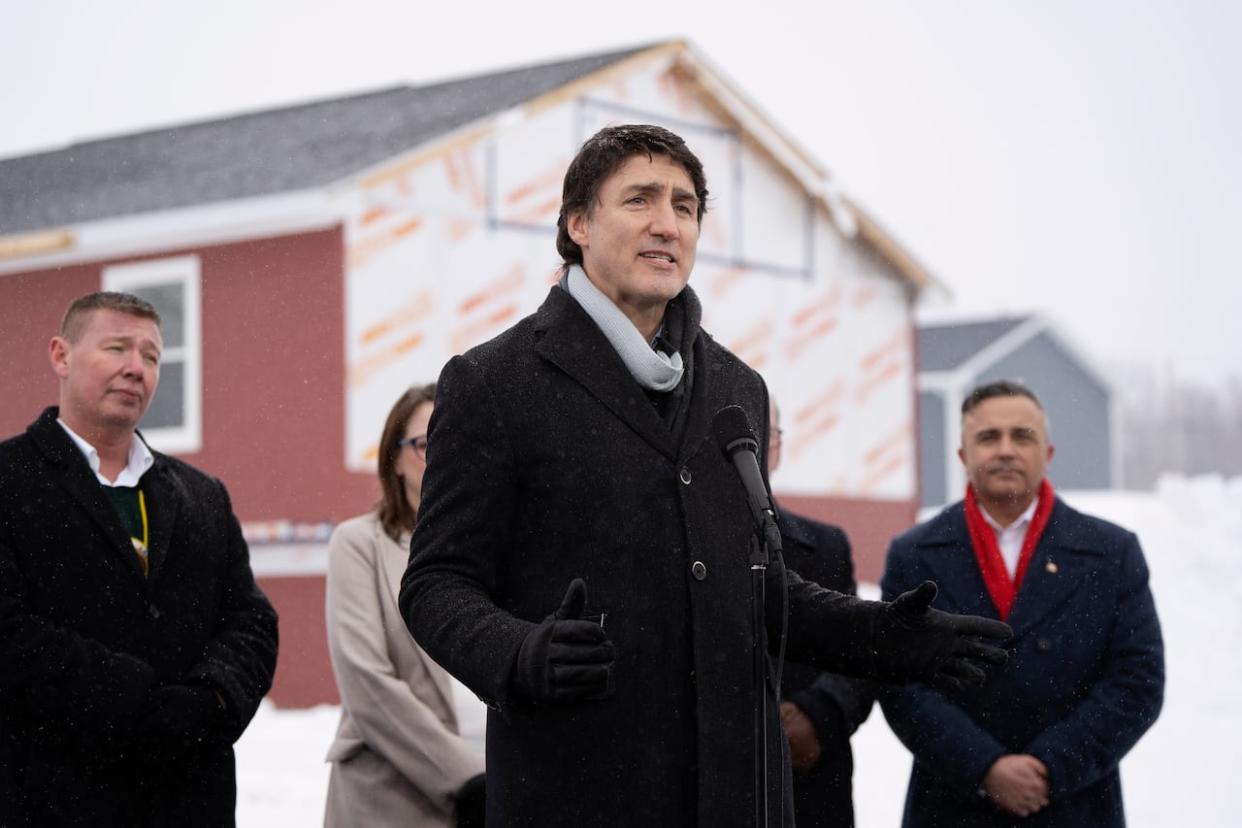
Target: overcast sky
x,y
1081,159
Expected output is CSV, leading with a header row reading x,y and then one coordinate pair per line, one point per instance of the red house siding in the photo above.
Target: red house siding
x,y
273,383
870,524
31,305
273,369
303,668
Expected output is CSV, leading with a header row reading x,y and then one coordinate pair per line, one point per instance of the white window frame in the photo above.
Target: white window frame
x,y
185,271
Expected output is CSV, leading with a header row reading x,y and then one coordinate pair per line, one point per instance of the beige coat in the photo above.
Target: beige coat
x,y
397,758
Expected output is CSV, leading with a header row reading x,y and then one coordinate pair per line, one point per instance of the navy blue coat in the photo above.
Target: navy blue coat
x,y
834,703
1084,681
84,637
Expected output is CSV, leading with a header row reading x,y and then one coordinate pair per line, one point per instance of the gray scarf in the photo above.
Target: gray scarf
x,y
652,369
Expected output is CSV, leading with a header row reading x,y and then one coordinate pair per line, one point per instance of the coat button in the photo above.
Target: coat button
x,y
699,570
1043,645
685,475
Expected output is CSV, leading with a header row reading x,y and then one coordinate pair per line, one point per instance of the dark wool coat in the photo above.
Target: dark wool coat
x,y
548,462
1085,677
84,636
836,704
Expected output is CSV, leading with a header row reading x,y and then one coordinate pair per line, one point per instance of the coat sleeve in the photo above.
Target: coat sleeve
x,y
463,530
240,658
837,705
389,715
1120,707
941,735
66,679
827,629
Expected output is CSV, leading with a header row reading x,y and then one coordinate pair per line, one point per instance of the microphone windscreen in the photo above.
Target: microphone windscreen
x,y
731,425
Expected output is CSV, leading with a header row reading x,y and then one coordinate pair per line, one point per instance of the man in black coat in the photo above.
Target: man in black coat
x,y
819,710
134,644
581,555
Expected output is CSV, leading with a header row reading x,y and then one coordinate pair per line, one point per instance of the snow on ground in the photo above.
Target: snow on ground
x,y
1179,774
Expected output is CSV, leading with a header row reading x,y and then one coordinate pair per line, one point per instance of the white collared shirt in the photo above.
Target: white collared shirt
x,y
1009,538
140,459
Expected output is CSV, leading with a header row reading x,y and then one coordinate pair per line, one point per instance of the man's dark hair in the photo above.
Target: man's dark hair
x,y
80,309
601,156
999,388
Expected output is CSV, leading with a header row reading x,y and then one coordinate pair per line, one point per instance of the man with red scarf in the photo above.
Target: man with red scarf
x,y
1039,743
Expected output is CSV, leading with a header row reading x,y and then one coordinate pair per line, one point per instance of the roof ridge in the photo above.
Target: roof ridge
x,y
290,108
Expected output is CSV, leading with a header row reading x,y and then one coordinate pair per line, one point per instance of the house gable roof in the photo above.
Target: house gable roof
x,y
260,153
302,148
946,347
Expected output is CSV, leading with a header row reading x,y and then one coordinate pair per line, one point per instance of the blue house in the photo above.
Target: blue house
x,y
955,357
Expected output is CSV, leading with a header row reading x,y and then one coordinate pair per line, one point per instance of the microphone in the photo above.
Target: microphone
x,y
737,441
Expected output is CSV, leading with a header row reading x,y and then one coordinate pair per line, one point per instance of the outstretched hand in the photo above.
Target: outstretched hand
x,y
565,658
946,651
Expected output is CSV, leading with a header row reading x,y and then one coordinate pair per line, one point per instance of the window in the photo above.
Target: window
x,y
173,423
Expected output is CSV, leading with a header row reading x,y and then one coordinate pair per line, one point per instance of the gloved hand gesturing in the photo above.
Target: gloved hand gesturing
x,y
565,658
914,641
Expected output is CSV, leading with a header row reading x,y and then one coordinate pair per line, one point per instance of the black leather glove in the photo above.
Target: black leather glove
x,y
914,641
471,800
178,719
565,658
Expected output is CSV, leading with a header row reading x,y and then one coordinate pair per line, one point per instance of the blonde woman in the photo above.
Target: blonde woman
x,y
397,758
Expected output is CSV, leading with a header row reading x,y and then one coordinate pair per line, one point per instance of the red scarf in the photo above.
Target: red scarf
x,y
987,551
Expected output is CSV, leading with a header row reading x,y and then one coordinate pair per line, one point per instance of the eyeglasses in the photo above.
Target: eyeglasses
x,y
419,444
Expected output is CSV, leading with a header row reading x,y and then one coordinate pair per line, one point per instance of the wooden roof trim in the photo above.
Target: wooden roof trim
x,y
35,243
888,247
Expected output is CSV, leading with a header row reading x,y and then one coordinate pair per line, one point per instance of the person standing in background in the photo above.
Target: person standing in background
x,y
819,710
397,759
1039,741
135,645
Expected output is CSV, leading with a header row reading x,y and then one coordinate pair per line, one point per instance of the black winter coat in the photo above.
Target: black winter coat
x,y
836,704
546,462
84,636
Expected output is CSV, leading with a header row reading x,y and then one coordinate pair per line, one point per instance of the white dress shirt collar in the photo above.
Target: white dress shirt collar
x,y
139,461
1010,538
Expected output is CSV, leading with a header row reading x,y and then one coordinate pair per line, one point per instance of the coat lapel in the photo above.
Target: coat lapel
x,y
394,556
573,343
74,475
163,496
1054,573
702,409
951,559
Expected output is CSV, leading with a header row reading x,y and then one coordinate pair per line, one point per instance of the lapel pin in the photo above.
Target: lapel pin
x,y
1051,567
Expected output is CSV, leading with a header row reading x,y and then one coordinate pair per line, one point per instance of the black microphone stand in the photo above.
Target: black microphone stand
x,y
767,536
759,649
738,443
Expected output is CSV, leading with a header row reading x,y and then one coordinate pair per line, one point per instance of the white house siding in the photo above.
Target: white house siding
x,y
447,248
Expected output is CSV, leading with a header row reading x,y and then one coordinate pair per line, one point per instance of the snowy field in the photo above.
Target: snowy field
x,y
1179,774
